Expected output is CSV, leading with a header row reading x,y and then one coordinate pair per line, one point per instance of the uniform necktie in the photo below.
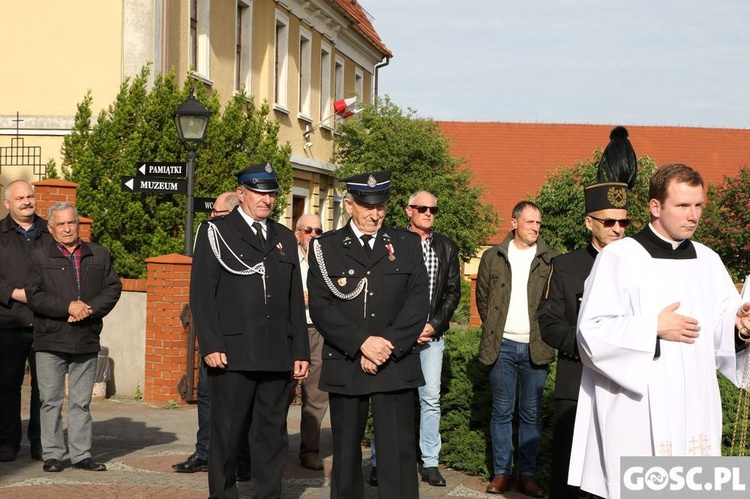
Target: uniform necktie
x,y
259,229
366,243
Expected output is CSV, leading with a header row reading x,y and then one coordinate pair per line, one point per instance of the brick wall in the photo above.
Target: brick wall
x,y
473,313
51,191
168,289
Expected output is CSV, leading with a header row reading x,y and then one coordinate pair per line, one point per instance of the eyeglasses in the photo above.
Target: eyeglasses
x,y
422,209
610,222
309,230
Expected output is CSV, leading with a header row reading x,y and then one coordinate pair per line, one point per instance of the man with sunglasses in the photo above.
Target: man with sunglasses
x,y
606,219
314,400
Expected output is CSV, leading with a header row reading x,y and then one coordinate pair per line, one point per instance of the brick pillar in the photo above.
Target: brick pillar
x,y
168,291
55,190
473,313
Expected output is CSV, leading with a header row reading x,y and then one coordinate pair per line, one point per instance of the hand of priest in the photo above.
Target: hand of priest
x,y
672,326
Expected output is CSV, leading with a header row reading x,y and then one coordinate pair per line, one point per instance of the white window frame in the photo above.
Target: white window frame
x,y
305,74
359,84
281,62
245,62
202,58
339,71
326,103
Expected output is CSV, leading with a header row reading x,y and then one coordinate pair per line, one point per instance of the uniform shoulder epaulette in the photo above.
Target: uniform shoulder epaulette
x,y
327,234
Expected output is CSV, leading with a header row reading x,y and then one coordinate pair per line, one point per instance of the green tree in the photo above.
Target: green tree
x,y
139,126
561,200
388,138
725,224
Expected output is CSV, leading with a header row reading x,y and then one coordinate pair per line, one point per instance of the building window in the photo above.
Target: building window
x,y
326,103
199,37
305,70
359,84
243,39
281,61
338,81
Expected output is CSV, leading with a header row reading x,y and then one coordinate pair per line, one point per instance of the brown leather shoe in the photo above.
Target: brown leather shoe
x,y
528,486
499,484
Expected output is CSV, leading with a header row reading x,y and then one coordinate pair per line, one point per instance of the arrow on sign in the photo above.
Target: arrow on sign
x,y
154,185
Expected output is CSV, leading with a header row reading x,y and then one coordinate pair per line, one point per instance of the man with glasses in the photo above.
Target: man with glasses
x,y
314,400
369,299
606,219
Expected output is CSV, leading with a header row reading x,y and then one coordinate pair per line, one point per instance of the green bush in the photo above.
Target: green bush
x,y
462,313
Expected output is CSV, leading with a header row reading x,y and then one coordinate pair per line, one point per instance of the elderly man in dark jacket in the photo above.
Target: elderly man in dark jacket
x,y
72,286
20,232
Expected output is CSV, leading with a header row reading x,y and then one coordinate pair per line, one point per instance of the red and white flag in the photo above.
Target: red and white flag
x,y
345,107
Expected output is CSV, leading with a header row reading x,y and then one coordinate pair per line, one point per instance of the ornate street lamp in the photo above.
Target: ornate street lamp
x,y
191,119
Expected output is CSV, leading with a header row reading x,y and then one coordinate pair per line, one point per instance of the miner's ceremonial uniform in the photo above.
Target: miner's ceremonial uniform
x,y
353,296
247,301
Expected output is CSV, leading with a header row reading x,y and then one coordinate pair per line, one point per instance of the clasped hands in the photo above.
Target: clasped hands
x,y
376,351
672,326
78,310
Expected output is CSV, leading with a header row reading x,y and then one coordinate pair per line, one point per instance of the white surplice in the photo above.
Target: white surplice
x,y
631,403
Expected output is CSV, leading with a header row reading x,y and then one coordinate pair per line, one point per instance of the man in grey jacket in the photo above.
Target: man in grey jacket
x,y
510,282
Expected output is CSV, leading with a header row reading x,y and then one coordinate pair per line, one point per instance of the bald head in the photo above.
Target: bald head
x,y
20,202
308,226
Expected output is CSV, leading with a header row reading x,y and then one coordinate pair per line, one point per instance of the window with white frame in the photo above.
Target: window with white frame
x,y
305,70
359,84
281,60
338,81
243,41
198,51
326,104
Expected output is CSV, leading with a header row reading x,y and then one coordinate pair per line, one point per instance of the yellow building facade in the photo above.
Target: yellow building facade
x,y
299,55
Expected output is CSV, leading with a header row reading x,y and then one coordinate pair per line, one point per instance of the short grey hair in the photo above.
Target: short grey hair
x,y
61,206
414,196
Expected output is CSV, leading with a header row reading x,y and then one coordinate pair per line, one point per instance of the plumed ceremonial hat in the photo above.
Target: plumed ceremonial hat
x,y
259,178
618,162
369,188
606,195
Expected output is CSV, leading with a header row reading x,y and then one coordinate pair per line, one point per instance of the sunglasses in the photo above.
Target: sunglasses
x,y
422,209
309,230
610,222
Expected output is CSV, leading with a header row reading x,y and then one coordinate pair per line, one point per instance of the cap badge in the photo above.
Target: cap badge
x,y
371,182
269,168
617,197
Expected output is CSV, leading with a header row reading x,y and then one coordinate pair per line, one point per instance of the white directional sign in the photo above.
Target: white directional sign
x,y
147,168
154,185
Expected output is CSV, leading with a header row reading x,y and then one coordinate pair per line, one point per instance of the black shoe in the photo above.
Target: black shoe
x,y
311,462
373,480
36,450
7,454
243,474
191,465
89,464
52,465
433,477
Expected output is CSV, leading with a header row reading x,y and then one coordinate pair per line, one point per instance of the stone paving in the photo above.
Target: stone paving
x,y
139,443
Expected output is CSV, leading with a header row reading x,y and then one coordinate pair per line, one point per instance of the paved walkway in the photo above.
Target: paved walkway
x,y
139,442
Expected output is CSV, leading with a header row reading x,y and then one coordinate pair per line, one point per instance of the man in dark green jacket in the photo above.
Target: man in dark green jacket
x,y
72,286
510,282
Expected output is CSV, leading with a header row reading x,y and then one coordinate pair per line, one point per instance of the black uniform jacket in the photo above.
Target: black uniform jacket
x,y
394,305
447,292
558,316
52,287
230,312
14,270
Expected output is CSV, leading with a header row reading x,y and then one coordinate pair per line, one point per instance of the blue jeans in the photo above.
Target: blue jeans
x,y
513,365
51,368
431,357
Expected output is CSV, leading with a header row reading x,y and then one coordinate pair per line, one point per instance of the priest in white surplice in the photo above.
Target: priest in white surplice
x,y
659,316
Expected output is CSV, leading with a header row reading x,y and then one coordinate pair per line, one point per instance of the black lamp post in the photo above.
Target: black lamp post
x,y
191,119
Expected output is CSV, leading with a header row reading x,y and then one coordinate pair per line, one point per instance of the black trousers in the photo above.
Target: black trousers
x,y
12,368
562,444
393,417
236,398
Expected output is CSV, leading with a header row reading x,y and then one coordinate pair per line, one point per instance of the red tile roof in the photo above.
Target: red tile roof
x,y
512,159
361,22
